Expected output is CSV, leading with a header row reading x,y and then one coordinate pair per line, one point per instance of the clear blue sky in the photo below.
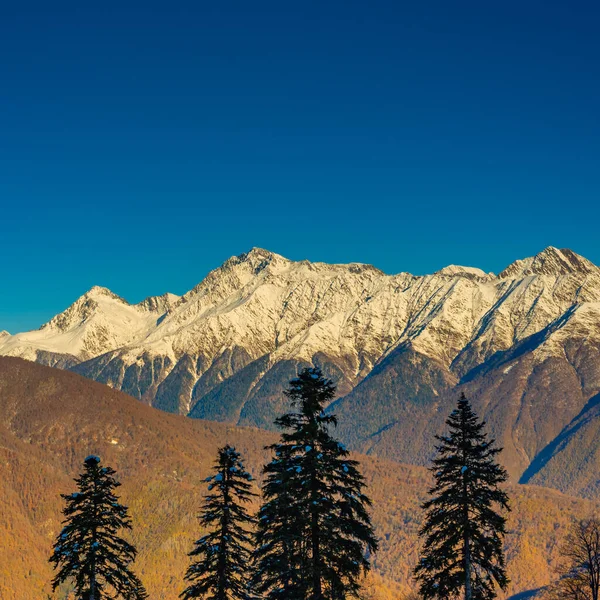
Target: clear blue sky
x,y
143,144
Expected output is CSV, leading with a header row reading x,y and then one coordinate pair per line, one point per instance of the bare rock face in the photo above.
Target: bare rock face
x,y
523,344
551,261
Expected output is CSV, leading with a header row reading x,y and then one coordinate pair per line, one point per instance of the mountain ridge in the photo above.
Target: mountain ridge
x,y
399,347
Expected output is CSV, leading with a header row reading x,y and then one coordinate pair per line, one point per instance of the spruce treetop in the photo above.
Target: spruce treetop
x,y
310,392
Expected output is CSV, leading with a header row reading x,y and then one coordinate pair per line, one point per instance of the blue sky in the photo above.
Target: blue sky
x,y
141,144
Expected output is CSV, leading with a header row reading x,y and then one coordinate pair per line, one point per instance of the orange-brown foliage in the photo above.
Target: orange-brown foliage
x,y
50,420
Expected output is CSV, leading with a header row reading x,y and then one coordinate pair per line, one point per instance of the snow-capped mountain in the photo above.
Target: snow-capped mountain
x,y
397,345
97,322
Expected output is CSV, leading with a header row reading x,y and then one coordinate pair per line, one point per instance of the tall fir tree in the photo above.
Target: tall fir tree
x,y
314,530
221,559
464,530
88,550
281,549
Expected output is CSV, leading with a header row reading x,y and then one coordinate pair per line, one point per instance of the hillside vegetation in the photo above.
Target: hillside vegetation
x,y
50,420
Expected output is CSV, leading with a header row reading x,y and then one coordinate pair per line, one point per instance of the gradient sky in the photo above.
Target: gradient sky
x,y
142,144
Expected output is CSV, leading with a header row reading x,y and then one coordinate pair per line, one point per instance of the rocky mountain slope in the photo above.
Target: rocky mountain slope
x,y
524,344
96,323
51,419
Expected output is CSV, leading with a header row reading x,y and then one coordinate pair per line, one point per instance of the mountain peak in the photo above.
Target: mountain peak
x,y
96,300
258,259
257,252
97,291
550,261
460,271
260,255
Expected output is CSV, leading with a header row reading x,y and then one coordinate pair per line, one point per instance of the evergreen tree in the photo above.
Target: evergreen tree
x,y
463,531
220,570
280,554
314,531
88,550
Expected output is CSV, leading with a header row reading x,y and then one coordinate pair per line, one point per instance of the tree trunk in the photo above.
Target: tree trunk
x,y
316,557
93,576
317,592
468,592
223,549
466,540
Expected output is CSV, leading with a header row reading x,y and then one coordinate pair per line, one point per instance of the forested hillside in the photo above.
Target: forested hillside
x,y
50,420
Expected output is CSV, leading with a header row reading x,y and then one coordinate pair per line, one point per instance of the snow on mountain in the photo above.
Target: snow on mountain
x,y
262,303
97,322
458,271
226,348
550,261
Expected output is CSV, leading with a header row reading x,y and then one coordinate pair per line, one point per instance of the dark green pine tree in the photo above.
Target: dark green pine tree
x,y
281,544
89,550
221,559
464,530
314,531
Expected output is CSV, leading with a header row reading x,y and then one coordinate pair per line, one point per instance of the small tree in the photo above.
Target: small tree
x,y
463,531
220,570
89,550
580,569
314,531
